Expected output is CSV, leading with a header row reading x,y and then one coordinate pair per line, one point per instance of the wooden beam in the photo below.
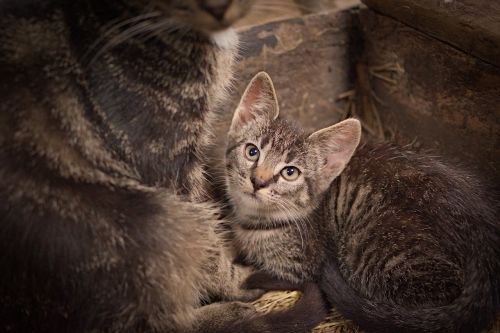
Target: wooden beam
x,y
428,91
470,25
309,60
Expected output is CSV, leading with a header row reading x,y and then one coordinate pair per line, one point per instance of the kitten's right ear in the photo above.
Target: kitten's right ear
x,y
336,145
258,102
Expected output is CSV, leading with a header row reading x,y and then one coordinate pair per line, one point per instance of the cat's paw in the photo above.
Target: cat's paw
x,y
241,309
265,281
217,316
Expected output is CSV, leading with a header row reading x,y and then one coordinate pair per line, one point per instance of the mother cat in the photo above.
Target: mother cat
x,y
104,114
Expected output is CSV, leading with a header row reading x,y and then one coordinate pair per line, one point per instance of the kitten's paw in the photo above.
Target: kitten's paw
x,y
241,308
267,282
217,316
231,311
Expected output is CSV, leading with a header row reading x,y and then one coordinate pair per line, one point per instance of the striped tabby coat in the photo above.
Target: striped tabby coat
x,y
106,109
400,241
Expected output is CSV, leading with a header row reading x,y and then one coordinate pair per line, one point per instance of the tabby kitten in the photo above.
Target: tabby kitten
x,y
105,113
400,241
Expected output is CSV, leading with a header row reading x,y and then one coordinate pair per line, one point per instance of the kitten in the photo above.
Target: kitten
x,y
400,241
106,111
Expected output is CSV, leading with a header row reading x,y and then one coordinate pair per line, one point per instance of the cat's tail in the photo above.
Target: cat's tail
x,y
473,310
309,311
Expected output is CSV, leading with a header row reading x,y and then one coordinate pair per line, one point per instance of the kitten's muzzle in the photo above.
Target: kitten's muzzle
x,y
261,177
258,183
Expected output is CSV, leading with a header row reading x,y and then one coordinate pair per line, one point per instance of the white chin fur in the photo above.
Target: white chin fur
x,y
248,209
225,39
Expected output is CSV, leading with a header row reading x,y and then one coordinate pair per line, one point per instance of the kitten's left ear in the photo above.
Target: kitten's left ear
x,y
258,102
336,145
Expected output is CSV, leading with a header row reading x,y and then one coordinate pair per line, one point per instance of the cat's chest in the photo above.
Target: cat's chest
x,y
277,250
257,240
153,106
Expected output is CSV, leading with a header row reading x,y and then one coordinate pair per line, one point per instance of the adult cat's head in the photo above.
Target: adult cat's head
x,y
274,170
204,15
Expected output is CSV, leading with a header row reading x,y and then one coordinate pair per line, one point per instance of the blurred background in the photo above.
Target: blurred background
x,y
282,9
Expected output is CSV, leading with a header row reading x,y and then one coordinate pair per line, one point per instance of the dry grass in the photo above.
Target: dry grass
x,y
334,323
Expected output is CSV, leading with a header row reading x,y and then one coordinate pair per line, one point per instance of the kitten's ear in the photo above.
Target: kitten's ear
x,y
336,145
258,102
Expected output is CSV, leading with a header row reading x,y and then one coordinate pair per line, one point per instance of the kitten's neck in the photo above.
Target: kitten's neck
x,y
262,223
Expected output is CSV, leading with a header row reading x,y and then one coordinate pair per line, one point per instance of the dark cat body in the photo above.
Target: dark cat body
x,y
400,241
56,53
103,125
417,243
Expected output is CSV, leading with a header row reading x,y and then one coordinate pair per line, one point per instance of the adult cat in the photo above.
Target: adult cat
x,y
106,109
400,241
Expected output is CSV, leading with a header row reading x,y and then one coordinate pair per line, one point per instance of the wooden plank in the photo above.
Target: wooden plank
x,y
309,61
427,90
470,25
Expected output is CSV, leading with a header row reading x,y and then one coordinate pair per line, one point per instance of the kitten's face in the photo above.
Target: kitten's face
x,y
271,171
204,15
274,171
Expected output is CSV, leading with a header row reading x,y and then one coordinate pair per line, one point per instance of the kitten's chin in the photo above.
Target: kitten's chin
x,y
248,205
253,207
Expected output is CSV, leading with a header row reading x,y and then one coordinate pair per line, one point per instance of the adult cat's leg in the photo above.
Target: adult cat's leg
x,y
227,279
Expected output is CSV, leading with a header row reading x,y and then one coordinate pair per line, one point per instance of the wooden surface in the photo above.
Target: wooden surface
x,y
308,60
470,25
285,9
429,91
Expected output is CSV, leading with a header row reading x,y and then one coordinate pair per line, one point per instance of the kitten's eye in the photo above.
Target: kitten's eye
x,y
290,173
251,152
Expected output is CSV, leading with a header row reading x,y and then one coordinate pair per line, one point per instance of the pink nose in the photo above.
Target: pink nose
x,y
258,183
261,177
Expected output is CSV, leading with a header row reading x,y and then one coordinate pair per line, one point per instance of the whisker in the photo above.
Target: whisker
x,y
116,27
162,27
127,34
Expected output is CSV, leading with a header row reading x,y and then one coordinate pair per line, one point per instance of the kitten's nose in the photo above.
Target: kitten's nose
x,y
258,183
261,177
216,8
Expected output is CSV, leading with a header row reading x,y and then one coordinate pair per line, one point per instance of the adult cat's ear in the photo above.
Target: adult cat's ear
x,y
336,145
258,102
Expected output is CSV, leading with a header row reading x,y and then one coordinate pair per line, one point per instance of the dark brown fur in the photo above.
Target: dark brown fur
x,y
106,109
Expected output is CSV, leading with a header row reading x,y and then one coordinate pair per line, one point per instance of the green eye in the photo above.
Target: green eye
x,y
252,152
290,173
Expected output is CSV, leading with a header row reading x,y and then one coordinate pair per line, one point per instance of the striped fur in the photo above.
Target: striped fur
x,y
400,241
106,111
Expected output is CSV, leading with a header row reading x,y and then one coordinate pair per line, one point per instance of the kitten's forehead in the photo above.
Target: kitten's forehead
x,y
281,136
